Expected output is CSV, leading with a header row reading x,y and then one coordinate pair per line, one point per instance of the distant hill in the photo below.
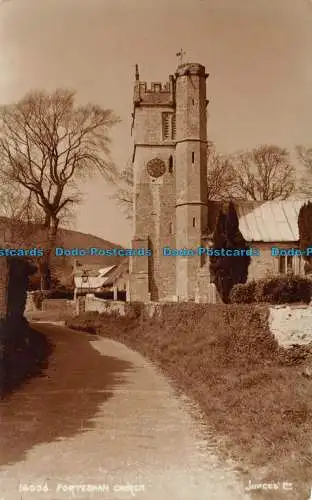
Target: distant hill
x,y
66,238
75,239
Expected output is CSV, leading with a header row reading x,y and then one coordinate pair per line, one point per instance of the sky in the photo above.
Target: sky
x,y
258,54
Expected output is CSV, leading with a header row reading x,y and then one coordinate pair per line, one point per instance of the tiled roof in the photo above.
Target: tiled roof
x,y
90,269
116,273
93,270
92,282
99,277
270,221
263,221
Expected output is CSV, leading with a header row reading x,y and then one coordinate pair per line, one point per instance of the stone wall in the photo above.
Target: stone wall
x,y
149,309
21,349
266,264
93,303
155,218
291,324
4,278
31,303
19,271
14,278
59,306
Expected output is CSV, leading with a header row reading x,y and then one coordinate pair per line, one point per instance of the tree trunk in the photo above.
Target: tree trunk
x,y
51,226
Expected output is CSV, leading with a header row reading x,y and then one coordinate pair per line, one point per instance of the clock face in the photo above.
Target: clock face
x,y
156,167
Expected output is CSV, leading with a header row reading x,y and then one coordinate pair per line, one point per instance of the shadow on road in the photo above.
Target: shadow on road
x,y
24,354
64,400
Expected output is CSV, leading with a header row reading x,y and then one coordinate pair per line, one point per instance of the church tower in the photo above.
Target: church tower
x,y
153,126
170,174
191,173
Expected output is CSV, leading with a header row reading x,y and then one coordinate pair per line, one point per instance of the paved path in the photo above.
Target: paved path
x,y
103,416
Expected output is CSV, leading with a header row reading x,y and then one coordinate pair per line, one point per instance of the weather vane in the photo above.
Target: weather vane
x,y
180,56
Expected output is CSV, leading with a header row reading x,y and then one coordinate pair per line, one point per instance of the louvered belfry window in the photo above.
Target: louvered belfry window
x,y
166,125
173,126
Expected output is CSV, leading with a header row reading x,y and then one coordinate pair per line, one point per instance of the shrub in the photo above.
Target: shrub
x,y
305,233
243,293
274,290
60,293
284,289
227,271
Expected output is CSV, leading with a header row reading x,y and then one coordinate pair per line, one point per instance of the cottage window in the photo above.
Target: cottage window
x,y
282,264
289,262
285,264
300,264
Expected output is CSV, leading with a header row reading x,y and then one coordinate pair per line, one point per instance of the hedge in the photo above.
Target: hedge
x,y
274,290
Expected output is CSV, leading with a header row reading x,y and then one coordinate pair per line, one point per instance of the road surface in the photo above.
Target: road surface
x,y
103,423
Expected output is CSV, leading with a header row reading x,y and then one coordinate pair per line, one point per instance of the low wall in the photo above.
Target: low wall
x,y
23,352
93,303
291,324
62,306
30,305
149,309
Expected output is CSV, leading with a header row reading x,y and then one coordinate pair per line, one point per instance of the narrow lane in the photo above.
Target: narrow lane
x,y
103,416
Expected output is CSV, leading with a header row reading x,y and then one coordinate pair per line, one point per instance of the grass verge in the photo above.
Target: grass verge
x,y
255,394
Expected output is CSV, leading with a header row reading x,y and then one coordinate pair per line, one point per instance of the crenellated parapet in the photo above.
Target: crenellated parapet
x,y
156,93
191,69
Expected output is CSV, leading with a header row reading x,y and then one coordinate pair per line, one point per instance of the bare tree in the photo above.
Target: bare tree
x,y
47,145
263,174
304,155
124,193
220,175
19,213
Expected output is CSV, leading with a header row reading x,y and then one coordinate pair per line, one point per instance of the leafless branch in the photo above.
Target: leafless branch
x,y
304,155
48,144
263,174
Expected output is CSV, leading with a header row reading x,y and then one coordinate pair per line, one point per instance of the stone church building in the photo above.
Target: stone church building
x,y
171,206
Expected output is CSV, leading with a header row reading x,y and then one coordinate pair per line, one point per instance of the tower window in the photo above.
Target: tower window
x,y
194,222
193,157
170,228
173,126
166,125
170,164
193,102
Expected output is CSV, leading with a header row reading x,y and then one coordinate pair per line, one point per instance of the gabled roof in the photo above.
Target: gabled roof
x,y
99,277
271,221
265,221
92,282
93,270
105,270
117,273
